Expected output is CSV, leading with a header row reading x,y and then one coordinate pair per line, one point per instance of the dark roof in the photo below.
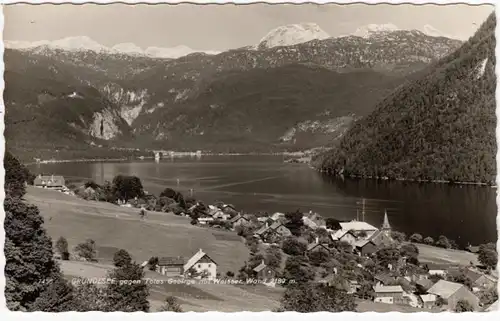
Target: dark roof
x,y
426,284
171,261
313,245
385,279
237,217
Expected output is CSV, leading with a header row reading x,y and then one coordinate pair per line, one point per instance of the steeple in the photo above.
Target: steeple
x,y
386,225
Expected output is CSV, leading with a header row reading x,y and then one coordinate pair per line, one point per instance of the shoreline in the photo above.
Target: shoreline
x,y
387,179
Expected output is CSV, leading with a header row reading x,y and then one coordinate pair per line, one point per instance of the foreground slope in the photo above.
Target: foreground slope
x,y
439,127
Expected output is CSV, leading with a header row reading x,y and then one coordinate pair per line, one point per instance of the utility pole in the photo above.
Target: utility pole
x,y
357,214
363,210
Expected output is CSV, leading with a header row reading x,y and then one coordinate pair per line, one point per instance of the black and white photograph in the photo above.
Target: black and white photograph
x,y
250,157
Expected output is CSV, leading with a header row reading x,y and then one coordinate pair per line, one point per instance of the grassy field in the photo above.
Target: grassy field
x,y
160,234
114,228
439,255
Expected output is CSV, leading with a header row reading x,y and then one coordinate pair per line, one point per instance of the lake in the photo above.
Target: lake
x,y
466,214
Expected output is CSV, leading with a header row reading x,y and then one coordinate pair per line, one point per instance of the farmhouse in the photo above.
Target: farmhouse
x,y
317,246
201,264
344,236
452,292
266,232
264,272
239,220
52,182
170,266
392,294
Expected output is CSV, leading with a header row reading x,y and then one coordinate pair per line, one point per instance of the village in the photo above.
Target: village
x,y
371,263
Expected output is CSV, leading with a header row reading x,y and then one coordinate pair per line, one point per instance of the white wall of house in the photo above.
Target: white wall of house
x,y
385,299
209,266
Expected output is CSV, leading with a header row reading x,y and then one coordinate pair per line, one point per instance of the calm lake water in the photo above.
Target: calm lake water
x,y
466,214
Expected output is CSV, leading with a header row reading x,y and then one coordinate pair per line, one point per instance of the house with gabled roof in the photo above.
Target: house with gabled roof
x,y
317,246
49,181
277,228
451,293
239,220
201,264
344,236
264,272
392,294
170,266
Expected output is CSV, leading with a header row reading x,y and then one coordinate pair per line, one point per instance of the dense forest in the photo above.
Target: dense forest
x,y
440,126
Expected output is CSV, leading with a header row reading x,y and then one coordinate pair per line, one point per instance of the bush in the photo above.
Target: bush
x,y
398,236
429,240
292,246
488,256
416,238
62,248
121,258
230,274
443,242
463,306
87,250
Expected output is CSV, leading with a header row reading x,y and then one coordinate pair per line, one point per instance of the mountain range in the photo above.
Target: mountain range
x,y
439,126
297,88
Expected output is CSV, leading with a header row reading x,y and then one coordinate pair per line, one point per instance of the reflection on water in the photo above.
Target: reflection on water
x,y
264,183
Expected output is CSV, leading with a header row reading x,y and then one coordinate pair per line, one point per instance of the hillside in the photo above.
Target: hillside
x,y
261,106
151,102
439,127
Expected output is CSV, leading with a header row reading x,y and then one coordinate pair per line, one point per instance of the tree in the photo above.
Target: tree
x,y
488,296
153,262
62,248
398,236
487,255
171,304
58,296
463,306
318,257
294,222
429,240
129,292
387,255
292,246
127,187
29,263
168,192
313,297
230,274
416,238
443,242
333,224
297,270
410,251
16,176
460,277
90,297
87,250
273,257
121,258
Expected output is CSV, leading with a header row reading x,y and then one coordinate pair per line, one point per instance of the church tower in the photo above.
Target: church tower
x,y
386,226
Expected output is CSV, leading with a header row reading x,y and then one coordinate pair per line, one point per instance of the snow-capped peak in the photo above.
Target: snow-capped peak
x,y
84,43
433,32
374,29
127,48
292,34
78,44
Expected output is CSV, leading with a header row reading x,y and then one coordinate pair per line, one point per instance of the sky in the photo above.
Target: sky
x,y
222,27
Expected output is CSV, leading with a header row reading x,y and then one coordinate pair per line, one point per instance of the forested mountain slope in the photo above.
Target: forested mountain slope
x,y
439,127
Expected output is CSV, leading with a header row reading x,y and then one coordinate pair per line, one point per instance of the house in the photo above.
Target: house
x,y
264,272
451,293
428,301
170,266
201,263
344,236
266,232
276,216
317,246
480,280
385,279
313,220
205,220
357,226
239,220
472,249
392,294
52,182
220,215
